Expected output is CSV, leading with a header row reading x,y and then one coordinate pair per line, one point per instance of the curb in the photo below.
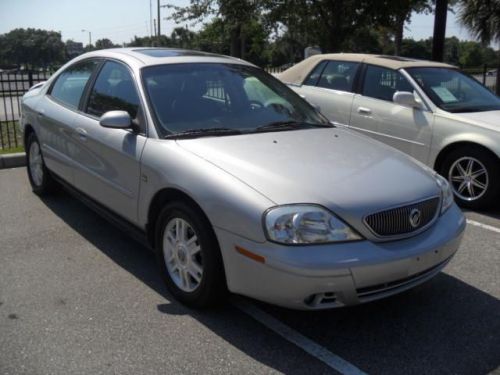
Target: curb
x,y
15,160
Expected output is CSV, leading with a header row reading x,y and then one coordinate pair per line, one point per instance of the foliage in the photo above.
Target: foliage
x,y
31,48
105,43
327,23
482,18
236,15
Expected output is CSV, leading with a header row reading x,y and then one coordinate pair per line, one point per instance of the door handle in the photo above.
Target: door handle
x,y
82,133
364,111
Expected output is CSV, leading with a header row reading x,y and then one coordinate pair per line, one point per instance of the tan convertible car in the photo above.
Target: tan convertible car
x,y
428,110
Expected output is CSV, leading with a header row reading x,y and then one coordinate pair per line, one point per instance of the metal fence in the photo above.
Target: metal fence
x,y
13,85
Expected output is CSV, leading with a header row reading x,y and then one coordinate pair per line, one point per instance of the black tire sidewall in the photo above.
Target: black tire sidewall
x,y
213,286
46,184
492,166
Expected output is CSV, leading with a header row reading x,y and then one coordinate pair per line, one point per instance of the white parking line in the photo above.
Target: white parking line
x,y
484,226
289,334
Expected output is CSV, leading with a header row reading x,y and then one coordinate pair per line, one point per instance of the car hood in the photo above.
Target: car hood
x,y
486,119
348,173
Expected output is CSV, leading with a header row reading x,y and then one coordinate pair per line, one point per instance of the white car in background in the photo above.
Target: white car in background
x,y
426,109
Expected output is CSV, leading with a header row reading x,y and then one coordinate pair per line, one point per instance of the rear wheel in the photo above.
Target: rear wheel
x,y
39,176
188,256
474,175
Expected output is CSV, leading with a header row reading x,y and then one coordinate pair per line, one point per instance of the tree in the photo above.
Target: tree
x,y
234,13
471,55
402,11
328,23
32,48
182,38
105,43
482,18
440,13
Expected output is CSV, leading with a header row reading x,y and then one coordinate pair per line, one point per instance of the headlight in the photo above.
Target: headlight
x,y
446,193
306,224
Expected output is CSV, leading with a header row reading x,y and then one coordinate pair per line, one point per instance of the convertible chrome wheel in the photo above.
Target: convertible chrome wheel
x,y
468,178
182,253
36,164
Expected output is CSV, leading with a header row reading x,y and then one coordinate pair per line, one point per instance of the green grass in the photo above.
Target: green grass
x,y
11,150
9,134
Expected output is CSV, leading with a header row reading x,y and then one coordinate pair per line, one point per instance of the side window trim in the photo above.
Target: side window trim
x,y
359,79
362,85
52,84
418,90
325,63
86,97
355,77
82,106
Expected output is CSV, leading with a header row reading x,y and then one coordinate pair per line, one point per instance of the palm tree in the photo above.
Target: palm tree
x,y
482,18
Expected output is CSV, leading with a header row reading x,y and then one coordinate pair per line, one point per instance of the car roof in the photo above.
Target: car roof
x,y
297,73
148,56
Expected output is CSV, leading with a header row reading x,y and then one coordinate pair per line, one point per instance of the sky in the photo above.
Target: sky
x,y
120,20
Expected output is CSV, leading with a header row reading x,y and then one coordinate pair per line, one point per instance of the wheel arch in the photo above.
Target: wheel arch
x,y
28,130
160,199
438,163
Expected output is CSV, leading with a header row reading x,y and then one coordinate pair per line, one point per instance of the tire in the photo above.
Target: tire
x,y
474,175
194,274
39,176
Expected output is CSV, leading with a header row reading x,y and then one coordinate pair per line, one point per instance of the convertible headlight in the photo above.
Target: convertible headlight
x,y
446,193
306,224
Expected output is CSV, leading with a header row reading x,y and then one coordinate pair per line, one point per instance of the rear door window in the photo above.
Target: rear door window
x,y
70,84
338,75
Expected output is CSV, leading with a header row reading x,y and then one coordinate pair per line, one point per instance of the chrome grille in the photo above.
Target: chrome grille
x,y
396,221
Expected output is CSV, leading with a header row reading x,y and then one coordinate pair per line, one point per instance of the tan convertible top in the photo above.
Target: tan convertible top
x,y
297,73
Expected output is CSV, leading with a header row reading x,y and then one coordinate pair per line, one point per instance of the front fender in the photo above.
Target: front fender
x,y
228,203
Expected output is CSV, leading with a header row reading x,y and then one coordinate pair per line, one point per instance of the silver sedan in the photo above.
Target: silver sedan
x,y
235,182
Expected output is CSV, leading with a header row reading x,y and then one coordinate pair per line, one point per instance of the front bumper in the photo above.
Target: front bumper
x,y
327,276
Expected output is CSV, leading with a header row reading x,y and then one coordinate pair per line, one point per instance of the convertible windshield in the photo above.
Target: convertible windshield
x,y
453,91
193,99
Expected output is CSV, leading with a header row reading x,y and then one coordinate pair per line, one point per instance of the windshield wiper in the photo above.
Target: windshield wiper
x,y
203,132
289,125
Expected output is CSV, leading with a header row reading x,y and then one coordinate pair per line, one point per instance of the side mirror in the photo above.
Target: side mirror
x,y
407,99
116,120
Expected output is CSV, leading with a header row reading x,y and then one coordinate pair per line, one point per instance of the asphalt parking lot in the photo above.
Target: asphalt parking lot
x,y
78,296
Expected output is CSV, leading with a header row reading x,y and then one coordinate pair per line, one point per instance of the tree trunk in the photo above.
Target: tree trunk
x,y
497,88
242,45
440,13
236,41
398,36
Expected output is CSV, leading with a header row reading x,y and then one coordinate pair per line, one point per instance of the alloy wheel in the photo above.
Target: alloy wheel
x,y
182,254
468,178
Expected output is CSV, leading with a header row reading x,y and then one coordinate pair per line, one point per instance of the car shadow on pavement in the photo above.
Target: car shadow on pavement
x,y
225,321
443,326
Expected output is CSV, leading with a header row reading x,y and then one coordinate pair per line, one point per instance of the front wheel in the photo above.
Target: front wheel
x,y
189,256
39,176
474,176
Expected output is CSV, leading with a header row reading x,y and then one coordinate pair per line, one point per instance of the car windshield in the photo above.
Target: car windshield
x,y
454,91
226,99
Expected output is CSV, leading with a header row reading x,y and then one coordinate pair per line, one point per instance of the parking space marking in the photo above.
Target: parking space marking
x,y
330,359
484,226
